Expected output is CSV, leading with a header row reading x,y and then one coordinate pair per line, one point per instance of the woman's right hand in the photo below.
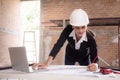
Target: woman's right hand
x,y
39,66
44,65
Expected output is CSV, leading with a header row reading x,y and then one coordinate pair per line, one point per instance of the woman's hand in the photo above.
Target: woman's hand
x,y
39,66
42,66
93,67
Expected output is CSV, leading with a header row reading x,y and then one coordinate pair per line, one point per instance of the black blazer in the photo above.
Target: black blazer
x,y
87,49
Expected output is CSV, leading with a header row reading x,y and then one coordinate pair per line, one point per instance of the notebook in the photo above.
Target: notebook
x,y
19,60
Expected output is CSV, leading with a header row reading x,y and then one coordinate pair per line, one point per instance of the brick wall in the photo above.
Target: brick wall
x,y
61,9
9,28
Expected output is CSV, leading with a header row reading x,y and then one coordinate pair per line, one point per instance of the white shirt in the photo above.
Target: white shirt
x,y
78,43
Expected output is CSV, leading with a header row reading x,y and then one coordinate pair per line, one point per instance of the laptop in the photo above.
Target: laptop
x,y
19,60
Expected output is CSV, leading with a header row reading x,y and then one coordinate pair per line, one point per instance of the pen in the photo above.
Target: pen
x,y
94,59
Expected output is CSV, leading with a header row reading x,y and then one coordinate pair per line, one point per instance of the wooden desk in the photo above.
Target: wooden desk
x,y
53,75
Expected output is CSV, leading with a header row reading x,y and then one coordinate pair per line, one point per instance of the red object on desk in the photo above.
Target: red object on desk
x,y
105,71
116,72
108,71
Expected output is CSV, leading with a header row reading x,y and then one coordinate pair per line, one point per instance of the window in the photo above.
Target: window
x,y
30,15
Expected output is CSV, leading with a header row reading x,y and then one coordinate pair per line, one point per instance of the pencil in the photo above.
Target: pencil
x,y
94,59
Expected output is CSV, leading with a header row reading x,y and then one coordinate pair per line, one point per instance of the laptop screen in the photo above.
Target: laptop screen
x,y
19,59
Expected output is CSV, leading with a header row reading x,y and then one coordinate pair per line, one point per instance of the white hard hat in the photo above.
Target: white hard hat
x,y
79,18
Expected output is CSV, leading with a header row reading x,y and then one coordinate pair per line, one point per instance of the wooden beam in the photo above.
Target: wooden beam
x,y
119,44
29,0
93,22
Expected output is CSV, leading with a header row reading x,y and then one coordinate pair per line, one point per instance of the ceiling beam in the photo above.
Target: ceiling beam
x,y
114,21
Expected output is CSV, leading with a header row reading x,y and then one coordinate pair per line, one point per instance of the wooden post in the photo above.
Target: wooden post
x,y
119,43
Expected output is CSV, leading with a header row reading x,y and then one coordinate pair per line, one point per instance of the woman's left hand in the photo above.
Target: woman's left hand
x,y
93,67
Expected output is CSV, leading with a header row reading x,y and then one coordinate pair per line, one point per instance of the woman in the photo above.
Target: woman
x,y
81,45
